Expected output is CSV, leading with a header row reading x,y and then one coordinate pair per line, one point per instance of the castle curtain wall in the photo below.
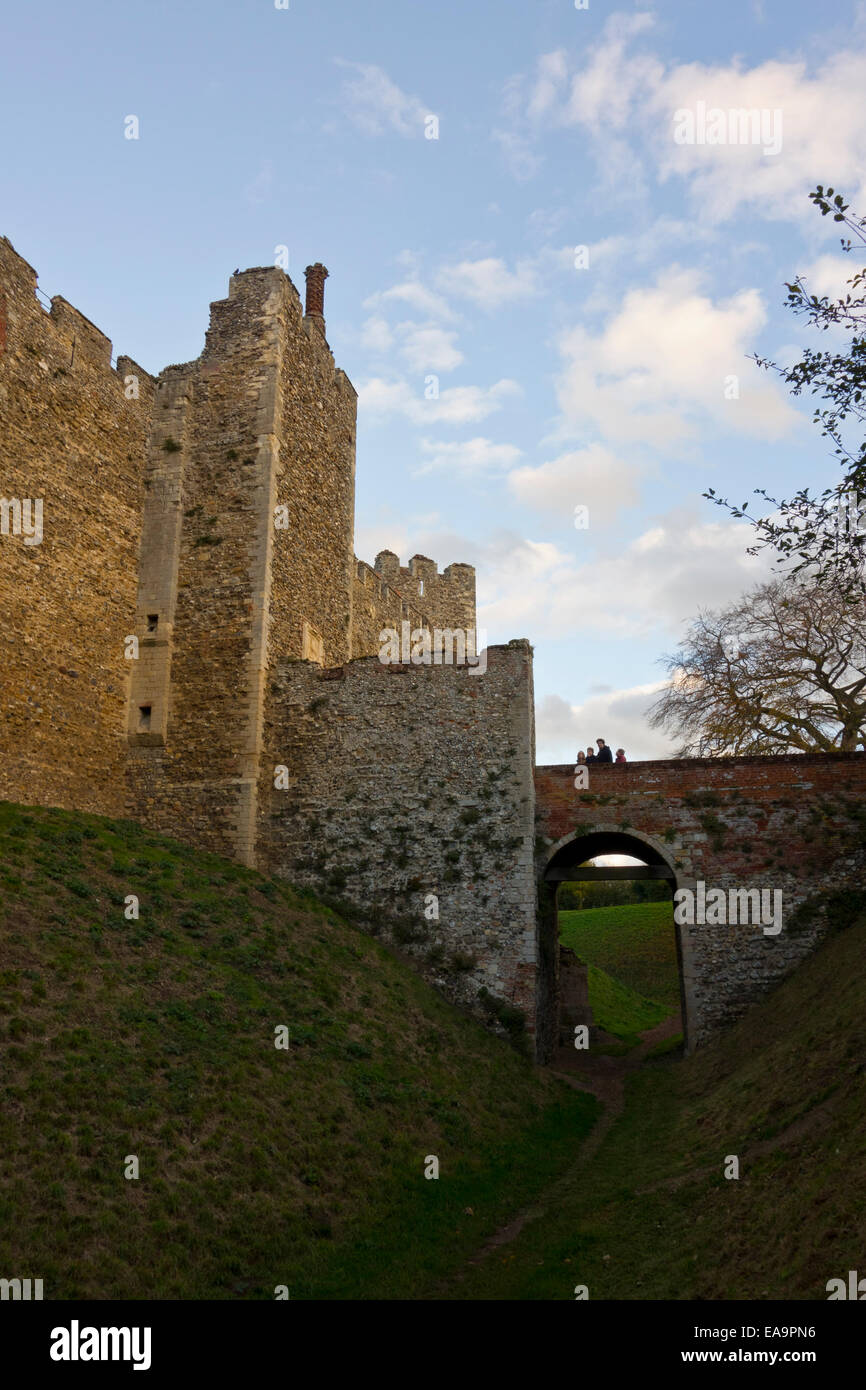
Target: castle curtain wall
x,y
72,438
410,781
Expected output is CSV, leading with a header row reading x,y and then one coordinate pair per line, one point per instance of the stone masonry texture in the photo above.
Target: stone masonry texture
x,y
70,437
193,643
411,781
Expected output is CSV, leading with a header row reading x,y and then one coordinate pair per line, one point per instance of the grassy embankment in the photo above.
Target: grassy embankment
x,y
261,1167
653,1216
258,1166
631,955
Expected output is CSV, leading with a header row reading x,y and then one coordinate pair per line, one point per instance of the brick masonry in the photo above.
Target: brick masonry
x,y
795,823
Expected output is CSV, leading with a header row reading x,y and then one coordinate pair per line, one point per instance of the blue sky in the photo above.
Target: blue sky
x,y
604,384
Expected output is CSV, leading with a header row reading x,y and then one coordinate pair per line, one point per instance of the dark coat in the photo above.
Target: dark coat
x,y
604,755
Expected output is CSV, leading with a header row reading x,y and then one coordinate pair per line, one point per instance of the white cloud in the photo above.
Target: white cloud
x,y
830,274
489,283
376,336
628,98
415,294
822,126
429,348
618,716
609,82
593,477
384,535
664,361
520,158
457,405
551,75
656,581
376,104
468,456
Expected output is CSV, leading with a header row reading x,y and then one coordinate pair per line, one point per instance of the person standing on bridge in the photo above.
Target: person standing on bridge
x,y
604,754
620,756
590,756
581,756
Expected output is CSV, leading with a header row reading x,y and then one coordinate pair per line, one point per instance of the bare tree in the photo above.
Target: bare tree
x,y
781,670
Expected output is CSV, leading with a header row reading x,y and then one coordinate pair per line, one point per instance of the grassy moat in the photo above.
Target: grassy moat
x,y
305,1167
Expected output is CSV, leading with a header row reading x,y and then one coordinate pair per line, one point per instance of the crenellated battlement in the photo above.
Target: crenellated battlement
x,y
61,335
446,599
73,432
389,594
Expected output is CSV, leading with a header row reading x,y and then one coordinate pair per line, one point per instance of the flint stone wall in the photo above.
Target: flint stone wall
x,y
406,781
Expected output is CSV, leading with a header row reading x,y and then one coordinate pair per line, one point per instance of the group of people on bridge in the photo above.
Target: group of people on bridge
x,y
603,755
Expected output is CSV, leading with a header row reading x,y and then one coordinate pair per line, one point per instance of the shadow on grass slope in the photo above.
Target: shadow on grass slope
x,y
258,1166
653,1216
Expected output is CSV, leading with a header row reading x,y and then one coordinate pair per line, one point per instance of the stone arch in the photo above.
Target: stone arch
x,y
588,842
658,851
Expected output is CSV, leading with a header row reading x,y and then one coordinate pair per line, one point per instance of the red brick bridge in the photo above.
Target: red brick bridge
x,y
794,823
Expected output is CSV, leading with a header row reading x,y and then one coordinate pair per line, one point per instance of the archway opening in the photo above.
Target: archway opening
x,y
613,943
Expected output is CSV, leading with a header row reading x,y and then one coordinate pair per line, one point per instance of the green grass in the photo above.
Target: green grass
x,y
258,1166
652,1216
634,943
618,1010
262,1167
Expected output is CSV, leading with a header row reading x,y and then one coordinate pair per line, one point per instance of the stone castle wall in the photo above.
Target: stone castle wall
x,y
389,594
405,781
70,437
261,421
160,512
209,520
256,649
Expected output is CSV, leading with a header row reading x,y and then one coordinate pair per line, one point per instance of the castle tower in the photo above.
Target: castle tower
x,y
246,553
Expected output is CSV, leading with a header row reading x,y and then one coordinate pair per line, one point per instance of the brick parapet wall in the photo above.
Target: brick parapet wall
x,y
796,823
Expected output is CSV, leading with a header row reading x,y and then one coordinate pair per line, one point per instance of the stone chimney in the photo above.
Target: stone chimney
x,y
316,275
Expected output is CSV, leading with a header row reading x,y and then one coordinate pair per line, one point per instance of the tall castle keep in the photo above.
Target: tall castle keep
x,y
191,641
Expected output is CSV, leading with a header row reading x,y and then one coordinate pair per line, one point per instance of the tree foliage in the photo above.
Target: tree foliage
x,y
781,670
615,892
825,533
